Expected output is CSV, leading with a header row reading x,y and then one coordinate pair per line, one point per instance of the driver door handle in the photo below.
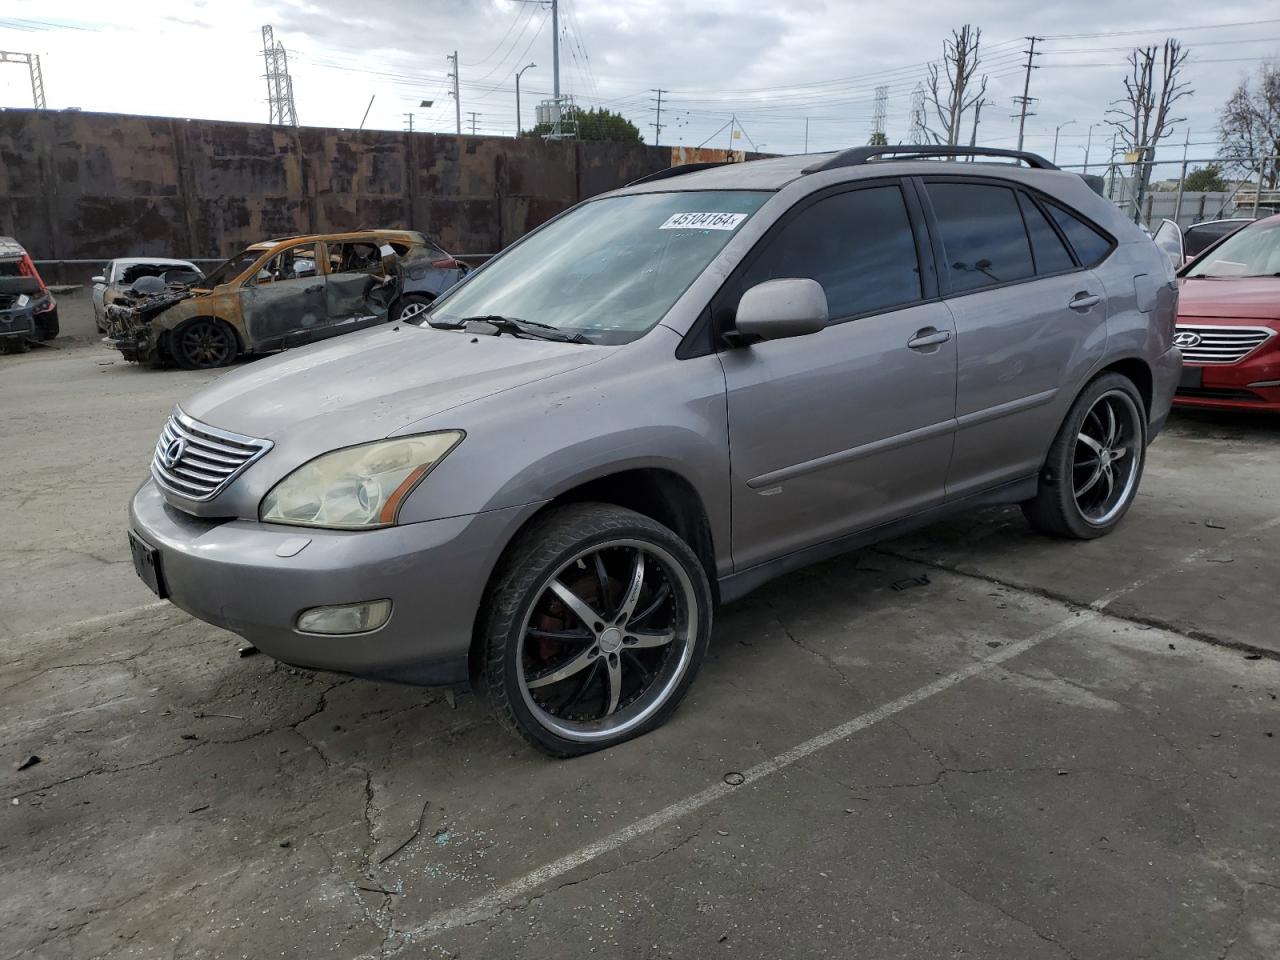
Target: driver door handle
x,y
928,337
1084,300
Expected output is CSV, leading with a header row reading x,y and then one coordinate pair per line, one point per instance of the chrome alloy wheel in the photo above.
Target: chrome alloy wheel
x,y
607,640
412,311
1108,454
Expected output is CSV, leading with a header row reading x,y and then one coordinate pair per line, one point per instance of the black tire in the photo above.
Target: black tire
x,y
1078,498
410,307
557,545
10,345
203,344
47,326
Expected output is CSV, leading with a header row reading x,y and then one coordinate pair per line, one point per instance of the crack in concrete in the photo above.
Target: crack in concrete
x,y
817,654
1026,924
1178,630
190,747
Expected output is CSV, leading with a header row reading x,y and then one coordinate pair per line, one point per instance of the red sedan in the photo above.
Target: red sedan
x,y
1229,322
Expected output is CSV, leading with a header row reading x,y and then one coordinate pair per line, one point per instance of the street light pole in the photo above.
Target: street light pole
x,y
1087,144
1055,138
518,72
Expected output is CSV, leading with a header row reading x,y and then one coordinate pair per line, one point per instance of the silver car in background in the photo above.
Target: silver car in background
x,y
657,402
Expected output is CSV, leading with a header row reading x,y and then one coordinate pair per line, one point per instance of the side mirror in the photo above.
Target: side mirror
x,y
98,279
776,309
1169,239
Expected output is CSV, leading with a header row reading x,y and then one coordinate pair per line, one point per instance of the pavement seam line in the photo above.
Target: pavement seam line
x,y
490,904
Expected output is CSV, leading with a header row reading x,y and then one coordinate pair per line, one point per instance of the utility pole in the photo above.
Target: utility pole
x,y
1025,101
806,134
918,132
733,123
409,115
518,72
472,114
657,121
555,63
457,99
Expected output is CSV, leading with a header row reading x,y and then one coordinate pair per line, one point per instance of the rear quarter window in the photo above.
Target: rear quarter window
x,y
1091,247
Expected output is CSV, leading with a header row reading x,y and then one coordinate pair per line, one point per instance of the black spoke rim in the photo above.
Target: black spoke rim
x,y
607,639
205,345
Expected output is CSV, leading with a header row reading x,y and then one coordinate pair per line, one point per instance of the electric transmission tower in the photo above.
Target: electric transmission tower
x,y
32,60
279,83
877,117
919,131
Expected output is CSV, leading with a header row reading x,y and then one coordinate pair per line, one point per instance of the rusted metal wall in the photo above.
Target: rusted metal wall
x,y
89,185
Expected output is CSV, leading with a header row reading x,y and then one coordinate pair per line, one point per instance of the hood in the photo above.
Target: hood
x,y
1230,298
371,384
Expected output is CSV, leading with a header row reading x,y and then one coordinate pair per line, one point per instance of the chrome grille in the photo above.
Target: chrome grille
x,y
197,461
1220,345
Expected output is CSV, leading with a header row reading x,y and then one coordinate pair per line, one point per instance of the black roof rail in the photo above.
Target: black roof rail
x,y
679,171
859,155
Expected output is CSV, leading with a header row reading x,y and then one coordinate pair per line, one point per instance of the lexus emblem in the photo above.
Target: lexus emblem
x,y
1186,339
173,453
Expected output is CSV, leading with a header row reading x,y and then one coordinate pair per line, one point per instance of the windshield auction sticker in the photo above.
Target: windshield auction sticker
x,y
703,221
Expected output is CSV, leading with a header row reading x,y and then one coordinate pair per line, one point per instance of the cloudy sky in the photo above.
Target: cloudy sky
x,y
772,65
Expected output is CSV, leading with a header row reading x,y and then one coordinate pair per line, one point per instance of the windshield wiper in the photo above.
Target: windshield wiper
x,y
514,326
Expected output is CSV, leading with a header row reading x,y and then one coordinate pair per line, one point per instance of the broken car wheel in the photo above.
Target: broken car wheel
x,y
202,344
597,622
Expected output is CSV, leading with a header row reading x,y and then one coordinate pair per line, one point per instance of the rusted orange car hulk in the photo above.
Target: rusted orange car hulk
x,y
282,293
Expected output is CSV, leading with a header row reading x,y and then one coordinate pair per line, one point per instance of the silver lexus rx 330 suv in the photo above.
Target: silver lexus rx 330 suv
x,y
655,403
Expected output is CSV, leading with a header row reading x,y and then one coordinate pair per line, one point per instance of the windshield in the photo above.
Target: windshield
x,y
237,265
1252,252
609,270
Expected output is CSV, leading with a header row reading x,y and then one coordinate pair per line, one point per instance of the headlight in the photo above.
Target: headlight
x,y
357,487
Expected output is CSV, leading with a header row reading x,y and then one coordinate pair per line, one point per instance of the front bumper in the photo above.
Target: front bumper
x,y
1234,386
231,573
17,324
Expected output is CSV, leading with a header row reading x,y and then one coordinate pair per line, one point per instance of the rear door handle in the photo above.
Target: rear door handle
x,y
1083,301
928,337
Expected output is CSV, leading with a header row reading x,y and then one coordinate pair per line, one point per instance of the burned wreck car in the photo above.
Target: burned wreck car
x,y
28,312
280,294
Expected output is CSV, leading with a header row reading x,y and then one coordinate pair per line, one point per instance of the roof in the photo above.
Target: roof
x,y
129,261
776,172
411,235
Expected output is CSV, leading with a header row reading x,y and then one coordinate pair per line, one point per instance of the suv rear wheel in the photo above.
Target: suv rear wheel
x,y
1091,475
597,622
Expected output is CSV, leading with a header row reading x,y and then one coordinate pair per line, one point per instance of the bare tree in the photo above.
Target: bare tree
x,y
1250,126
1144,115
952,89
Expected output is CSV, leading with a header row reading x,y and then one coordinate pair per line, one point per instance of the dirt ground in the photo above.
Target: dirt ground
x,y
1041,749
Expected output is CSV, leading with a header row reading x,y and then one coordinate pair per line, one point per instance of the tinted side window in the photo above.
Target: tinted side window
x,y
983,238
1051,254
1090,246
858,245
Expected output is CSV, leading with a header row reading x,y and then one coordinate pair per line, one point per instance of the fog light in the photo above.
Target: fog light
x,y
349,618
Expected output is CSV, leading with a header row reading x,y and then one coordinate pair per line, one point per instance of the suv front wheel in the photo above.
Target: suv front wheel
x,y
597,621
1091,474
